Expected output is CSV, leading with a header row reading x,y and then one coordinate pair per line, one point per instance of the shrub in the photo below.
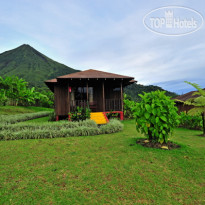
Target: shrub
x,y
111,115
80,114
190,122
129,107
156,116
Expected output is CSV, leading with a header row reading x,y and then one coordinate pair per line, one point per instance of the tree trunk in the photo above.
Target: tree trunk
x,y
150,135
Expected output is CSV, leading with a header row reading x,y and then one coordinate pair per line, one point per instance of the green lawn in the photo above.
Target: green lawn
x,y
103,169
12,110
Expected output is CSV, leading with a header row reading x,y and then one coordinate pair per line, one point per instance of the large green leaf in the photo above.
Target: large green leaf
x,y
147,115
164,118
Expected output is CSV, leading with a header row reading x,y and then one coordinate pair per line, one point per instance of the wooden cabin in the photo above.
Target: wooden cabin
x,y
101,91
179,101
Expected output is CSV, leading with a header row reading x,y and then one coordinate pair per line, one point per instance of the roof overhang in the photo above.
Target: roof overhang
x,y
91,76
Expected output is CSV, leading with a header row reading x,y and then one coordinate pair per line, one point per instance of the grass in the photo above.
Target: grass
x,y
103,169
13,110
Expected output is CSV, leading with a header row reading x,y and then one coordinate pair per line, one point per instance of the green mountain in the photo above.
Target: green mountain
x,y
31,65
134,90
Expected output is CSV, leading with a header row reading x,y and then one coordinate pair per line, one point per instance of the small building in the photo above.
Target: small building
x,y
179,100
101,91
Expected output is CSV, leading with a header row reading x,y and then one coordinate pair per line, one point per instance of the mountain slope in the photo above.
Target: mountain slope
x,y
31,65
134,90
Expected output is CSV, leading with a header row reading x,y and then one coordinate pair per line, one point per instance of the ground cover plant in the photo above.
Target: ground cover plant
x,y
57,129
12,119
103,169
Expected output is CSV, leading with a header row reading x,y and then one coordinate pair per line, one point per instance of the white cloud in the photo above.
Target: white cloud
x,y
108,36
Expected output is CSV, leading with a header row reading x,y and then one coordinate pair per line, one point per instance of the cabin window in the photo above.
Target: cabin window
x,y
80,93
116,89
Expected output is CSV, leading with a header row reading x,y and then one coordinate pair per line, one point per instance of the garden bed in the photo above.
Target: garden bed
x,y
57,129
146,143
12,119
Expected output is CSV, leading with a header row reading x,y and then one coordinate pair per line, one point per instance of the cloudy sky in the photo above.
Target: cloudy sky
x,y
107,35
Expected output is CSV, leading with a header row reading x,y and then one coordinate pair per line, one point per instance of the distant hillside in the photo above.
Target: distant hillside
x,y
134,90
31,65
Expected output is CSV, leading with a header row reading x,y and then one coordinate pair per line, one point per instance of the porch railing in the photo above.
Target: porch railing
x,y
113,105
78,103
110,105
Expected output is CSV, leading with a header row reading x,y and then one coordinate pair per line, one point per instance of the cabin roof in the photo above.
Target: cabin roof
x,y
90,74
52,81
93,74
186,96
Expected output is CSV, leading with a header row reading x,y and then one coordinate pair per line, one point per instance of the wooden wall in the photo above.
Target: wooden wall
x,y
62,103
97,97
110,93
61,100
183,108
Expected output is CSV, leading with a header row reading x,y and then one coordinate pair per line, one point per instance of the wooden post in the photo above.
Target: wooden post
x,y
121,88
103,95
68,100
87,93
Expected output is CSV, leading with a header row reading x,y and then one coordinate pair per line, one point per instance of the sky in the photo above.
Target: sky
x,y
108,35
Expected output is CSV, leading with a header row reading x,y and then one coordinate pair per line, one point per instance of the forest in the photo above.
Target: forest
x,y
15,91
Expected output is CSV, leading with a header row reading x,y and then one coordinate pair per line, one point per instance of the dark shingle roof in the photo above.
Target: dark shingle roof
x,y
90,74
51,81
94,74
186,96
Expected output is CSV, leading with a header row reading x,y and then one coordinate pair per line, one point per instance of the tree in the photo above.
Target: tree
x,y
198,102
156,116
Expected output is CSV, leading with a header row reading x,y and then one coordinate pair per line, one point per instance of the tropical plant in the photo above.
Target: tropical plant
x,y
198,103
80,114
156,116
112,115
15,91
3,98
